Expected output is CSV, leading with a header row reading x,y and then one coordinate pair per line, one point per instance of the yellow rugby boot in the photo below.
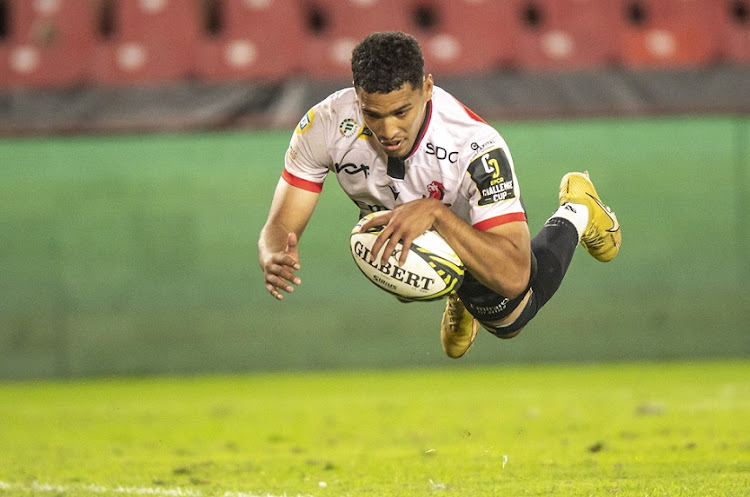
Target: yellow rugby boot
x,y
602,237
458,328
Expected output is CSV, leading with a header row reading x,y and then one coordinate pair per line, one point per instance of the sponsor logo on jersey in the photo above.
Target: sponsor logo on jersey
x,y
352,168
441,153
306,122
348,127
493,177
435,190
365,133
478,147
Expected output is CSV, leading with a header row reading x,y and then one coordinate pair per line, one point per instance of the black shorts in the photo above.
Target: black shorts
x,y
486,305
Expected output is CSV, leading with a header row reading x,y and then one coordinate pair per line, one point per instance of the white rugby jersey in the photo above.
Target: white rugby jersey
x,y
458,159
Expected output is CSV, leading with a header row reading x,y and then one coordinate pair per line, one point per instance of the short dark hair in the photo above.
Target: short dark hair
x,y
384,61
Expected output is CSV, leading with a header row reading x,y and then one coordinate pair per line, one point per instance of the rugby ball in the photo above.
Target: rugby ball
x,y
432,269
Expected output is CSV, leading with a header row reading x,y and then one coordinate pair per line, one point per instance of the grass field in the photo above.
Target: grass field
x,y
649,429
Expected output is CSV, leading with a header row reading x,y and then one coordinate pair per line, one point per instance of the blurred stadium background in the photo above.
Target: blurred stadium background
x,y
140,142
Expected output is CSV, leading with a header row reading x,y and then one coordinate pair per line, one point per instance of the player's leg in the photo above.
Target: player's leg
x,y
551,252
552,248
582,218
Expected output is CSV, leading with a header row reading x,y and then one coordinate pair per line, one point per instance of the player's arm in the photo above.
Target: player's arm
x,y
499,257
496,248
278,254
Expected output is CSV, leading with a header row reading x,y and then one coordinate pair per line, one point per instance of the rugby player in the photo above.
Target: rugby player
x,y
398,143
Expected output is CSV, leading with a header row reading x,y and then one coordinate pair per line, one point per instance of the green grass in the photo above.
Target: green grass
x,y
652,429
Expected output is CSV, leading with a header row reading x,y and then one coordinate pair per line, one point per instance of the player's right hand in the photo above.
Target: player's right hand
x,y
279,269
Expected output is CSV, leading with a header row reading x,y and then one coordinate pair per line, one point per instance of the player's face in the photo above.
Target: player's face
x,y
395,118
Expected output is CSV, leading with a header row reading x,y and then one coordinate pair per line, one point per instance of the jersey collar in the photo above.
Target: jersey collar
x,y
422,130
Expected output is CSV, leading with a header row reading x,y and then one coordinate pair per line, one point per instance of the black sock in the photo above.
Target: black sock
x,y
553,248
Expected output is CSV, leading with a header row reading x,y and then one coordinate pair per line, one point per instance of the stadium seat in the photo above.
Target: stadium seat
x,y
564,34
460,36
45,44
244,40
145,41
668,33
332,28
733,20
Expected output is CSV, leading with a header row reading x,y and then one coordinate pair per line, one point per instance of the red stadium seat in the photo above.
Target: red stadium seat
x,y
45,43
460,36
250,40
565,34
333,27
668,33
147,41
733,21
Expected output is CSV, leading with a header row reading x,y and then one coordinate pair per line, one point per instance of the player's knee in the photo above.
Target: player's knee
x,y
504,332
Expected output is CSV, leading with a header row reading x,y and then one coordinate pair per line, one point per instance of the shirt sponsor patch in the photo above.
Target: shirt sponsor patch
x,y
348,127
306,122
493,177
364,133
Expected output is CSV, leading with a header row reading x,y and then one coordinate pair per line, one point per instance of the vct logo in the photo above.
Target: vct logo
x,y
435,190
351,168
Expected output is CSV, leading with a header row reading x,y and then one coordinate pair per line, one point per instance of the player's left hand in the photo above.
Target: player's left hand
x,y
403,224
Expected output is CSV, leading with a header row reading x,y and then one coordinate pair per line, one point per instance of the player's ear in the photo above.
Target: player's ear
x,y
427,86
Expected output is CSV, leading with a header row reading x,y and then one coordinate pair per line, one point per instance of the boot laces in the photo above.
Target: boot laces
x,y
455,313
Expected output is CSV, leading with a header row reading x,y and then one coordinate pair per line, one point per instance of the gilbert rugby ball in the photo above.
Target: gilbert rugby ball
x,y
432,268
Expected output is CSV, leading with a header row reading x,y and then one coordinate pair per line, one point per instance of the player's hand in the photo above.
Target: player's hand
x,y
279,269
403,224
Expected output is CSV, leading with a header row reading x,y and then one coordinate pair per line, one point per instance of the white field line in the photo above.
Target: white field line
x,y
100,489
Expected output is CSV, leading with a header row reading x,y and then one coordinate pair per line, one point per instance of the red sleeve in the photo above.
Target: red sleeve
x,y
293,180
497,221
